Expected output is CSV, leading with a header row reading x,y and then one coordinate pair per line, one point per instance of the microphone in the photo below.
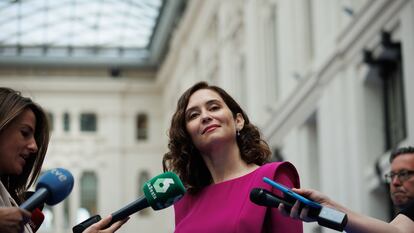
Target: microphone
x,y
53,187
325,216
266,198
37,216
36,219
160,192
28,194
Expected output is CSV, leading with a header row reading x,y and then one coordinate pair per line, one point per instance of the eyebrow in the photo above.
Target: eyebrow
x,y
209,102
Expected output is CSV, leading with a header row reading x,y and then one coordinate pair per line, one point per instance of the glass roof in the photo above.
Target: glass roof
x,y
68,29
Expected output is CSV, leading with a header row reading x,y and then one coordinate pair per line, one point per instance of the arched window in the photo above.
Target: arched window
x,y
142,126
88,192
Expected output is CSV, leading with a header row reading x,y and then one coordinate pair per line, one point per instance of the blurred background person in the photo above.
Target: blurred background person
x,y
401,177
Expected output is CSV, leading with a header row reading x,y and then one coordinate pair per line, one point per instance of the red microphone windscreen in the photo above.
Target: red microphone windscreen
x,y
36,220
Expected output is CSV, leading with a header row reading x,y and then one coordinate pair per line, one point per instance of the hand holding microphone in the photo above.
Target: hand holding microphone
x,y
298,206
327,216
160,192
53,187
95,228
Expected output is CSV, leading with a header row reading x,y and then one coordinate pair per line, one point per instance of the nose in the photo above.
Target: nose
x,y
205,117
32,146
396,181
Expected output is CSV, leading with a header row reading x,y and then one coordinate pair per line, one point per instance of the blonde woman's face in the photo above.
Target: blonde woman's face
x,y
17,143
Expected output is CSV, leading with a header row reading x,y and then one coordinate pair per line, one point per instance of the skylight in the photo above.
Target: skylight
x,y
70,29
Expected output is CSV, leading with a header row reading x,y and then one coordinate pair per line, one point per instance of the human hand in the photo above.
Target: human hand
x,y
96,228
297,212
314,195
12,219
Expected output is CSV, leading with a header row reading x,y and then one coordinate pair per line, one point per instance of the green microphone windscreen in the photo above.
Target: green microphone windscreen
x,y
163,190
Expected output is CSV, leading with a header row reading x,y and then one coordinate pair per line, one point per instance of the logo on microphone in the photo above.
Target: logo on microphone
x,y
61,177
161,185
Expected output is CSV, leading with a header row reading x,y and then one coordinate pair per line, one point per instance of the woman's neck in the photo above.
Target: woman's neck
x,y
225,163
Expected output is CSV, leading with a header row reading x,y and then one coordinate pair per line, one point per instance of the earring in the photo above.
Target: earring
x,y
238,132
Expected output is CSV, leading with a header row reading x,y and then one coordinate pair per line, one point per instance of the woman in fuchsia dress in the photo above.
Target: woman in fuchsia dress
x,y
220,157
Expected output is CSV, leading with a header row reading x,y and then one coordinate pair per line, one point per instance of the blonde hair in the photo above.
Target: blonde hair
x,y
12,104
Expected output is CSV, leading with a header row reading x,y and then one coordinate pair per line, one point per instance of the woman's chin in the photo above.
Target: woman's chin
x,y
17,170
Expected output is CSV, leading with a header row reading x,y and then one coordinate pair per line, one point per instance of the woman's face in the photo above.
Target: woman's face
x,y
17,143
209,120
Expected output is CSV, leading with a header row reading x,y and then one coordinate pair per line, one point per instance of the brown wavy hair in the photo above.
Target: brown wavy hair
x,y
184,158
12,104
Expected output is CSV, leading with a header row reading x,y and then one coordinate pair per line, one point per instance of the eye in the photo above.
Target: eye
x,y
25,133
404,174
192,115
214,107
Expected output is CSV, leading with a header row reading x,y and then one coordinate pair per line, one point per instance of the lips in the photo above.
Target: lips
x,y
24,157
209,128
398,193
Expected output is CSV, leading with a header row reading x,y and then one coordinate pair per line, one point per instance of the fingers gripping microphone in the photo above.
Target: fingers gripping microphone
x,y
325,216
160,192
53,187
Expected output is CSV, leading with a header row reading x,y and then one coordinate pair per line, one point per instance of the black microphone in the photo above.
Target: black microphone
x,y
325,216
266,198
160,192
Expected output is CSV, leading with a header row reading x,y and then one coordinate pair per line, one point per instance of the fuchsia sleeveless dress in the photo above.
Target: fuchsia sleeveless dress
x,y
226,207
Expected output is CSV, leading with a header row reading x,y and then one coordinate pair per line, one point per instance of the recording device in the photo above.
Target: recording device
x,y
160,192
325,216
266,198
53,187
36,219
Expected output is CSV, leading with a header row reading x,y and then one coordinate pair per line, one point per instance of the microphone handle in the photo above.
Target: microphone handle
x,y
85,224
35,200
135,206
